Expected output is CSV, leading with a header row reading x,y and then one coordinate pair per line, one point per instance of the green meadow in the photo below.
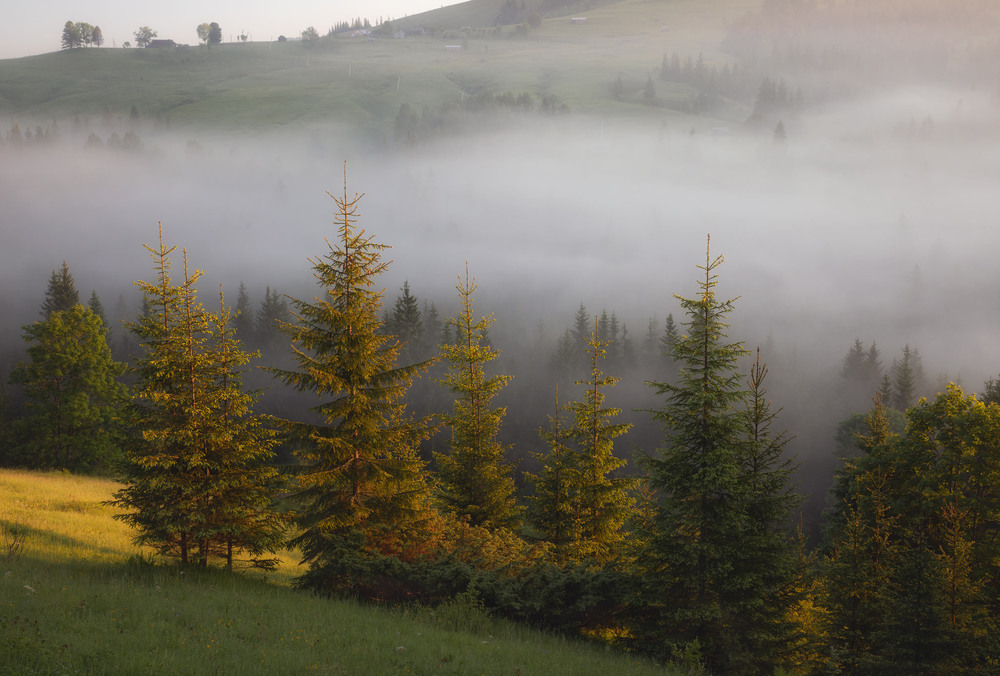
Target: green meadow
x,y
361,82
77,597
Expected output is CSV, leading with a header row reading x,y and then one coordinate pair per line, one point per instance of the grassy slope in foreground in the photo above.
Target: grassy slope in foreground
x,y
82,599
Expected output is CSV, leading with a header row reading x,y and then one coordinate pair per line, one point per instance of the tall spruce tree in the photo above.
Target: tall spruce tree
x,y
197,484
362,488
698,581
769,555
475,478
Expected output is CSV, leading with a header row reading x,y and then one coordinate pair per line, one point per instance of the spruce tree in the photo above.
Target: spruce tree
x,y
552,509
404,323
475,477
431,333
564,359
243,322
271,314
767,566
603,503
651,351
73,399
197,484
698,580
579,333
97,308
61,293
907,378
241,518
362,488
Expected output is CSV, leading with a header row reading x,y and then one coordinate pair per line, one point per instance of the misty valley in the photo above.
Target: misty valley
x,y
690,353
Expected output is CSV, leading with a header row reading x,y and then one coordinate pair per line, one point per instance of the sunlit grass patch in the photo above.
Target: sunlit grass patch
x,y
81,598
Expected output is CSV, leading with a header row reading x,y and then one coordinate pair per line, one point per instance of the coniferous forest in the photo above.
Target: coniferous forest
x,y
517,373
395,484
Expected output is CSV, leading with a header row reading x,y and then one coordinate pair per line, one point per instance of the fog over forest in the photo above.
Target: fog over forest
x,y
850,229
875,220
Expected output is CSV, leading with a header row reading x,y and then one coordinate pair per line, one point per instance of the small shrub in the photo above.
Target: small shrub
x,y
141,560
12,540
463,612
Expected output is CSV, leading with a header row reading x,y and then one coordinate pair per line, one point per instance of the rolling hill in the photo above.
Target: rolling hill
x,y
430,61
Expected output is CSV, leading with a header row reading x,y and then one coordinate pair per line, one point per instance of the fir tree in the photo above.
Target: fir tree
x,y
552,506
432,328
241,519
651,351
698,583
475,477
404,323
97,308
61,293
669,338
603,503
907,379
197,486
564,358
73,399
243,322
780,136
768,550
273,311
362,488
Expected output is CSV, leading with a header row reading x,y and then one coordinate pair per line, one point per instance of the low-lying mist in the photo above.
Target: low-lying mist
x,y
856,226
874,220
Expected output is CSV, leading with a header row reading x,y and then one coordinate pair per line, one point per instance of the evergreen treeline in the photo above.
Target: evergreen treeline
x,y
690,553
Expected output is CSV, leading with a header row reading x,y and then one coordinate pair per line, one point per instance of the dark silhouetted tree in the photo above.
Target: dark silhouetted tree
x,y
143,36
243,322
61,293
405,324
271,314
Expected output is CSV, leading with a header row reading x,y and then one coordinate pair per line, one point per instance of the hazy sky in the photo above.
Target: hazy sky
x,y
38,30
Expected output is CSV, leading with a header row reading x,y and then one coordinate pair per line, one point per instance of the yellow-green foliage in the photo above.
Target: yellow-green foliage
x,y
81,599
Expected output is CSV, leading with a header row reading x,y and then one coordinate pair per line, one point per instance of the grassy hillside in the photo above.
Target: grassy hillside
x,y
79,598
362,82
